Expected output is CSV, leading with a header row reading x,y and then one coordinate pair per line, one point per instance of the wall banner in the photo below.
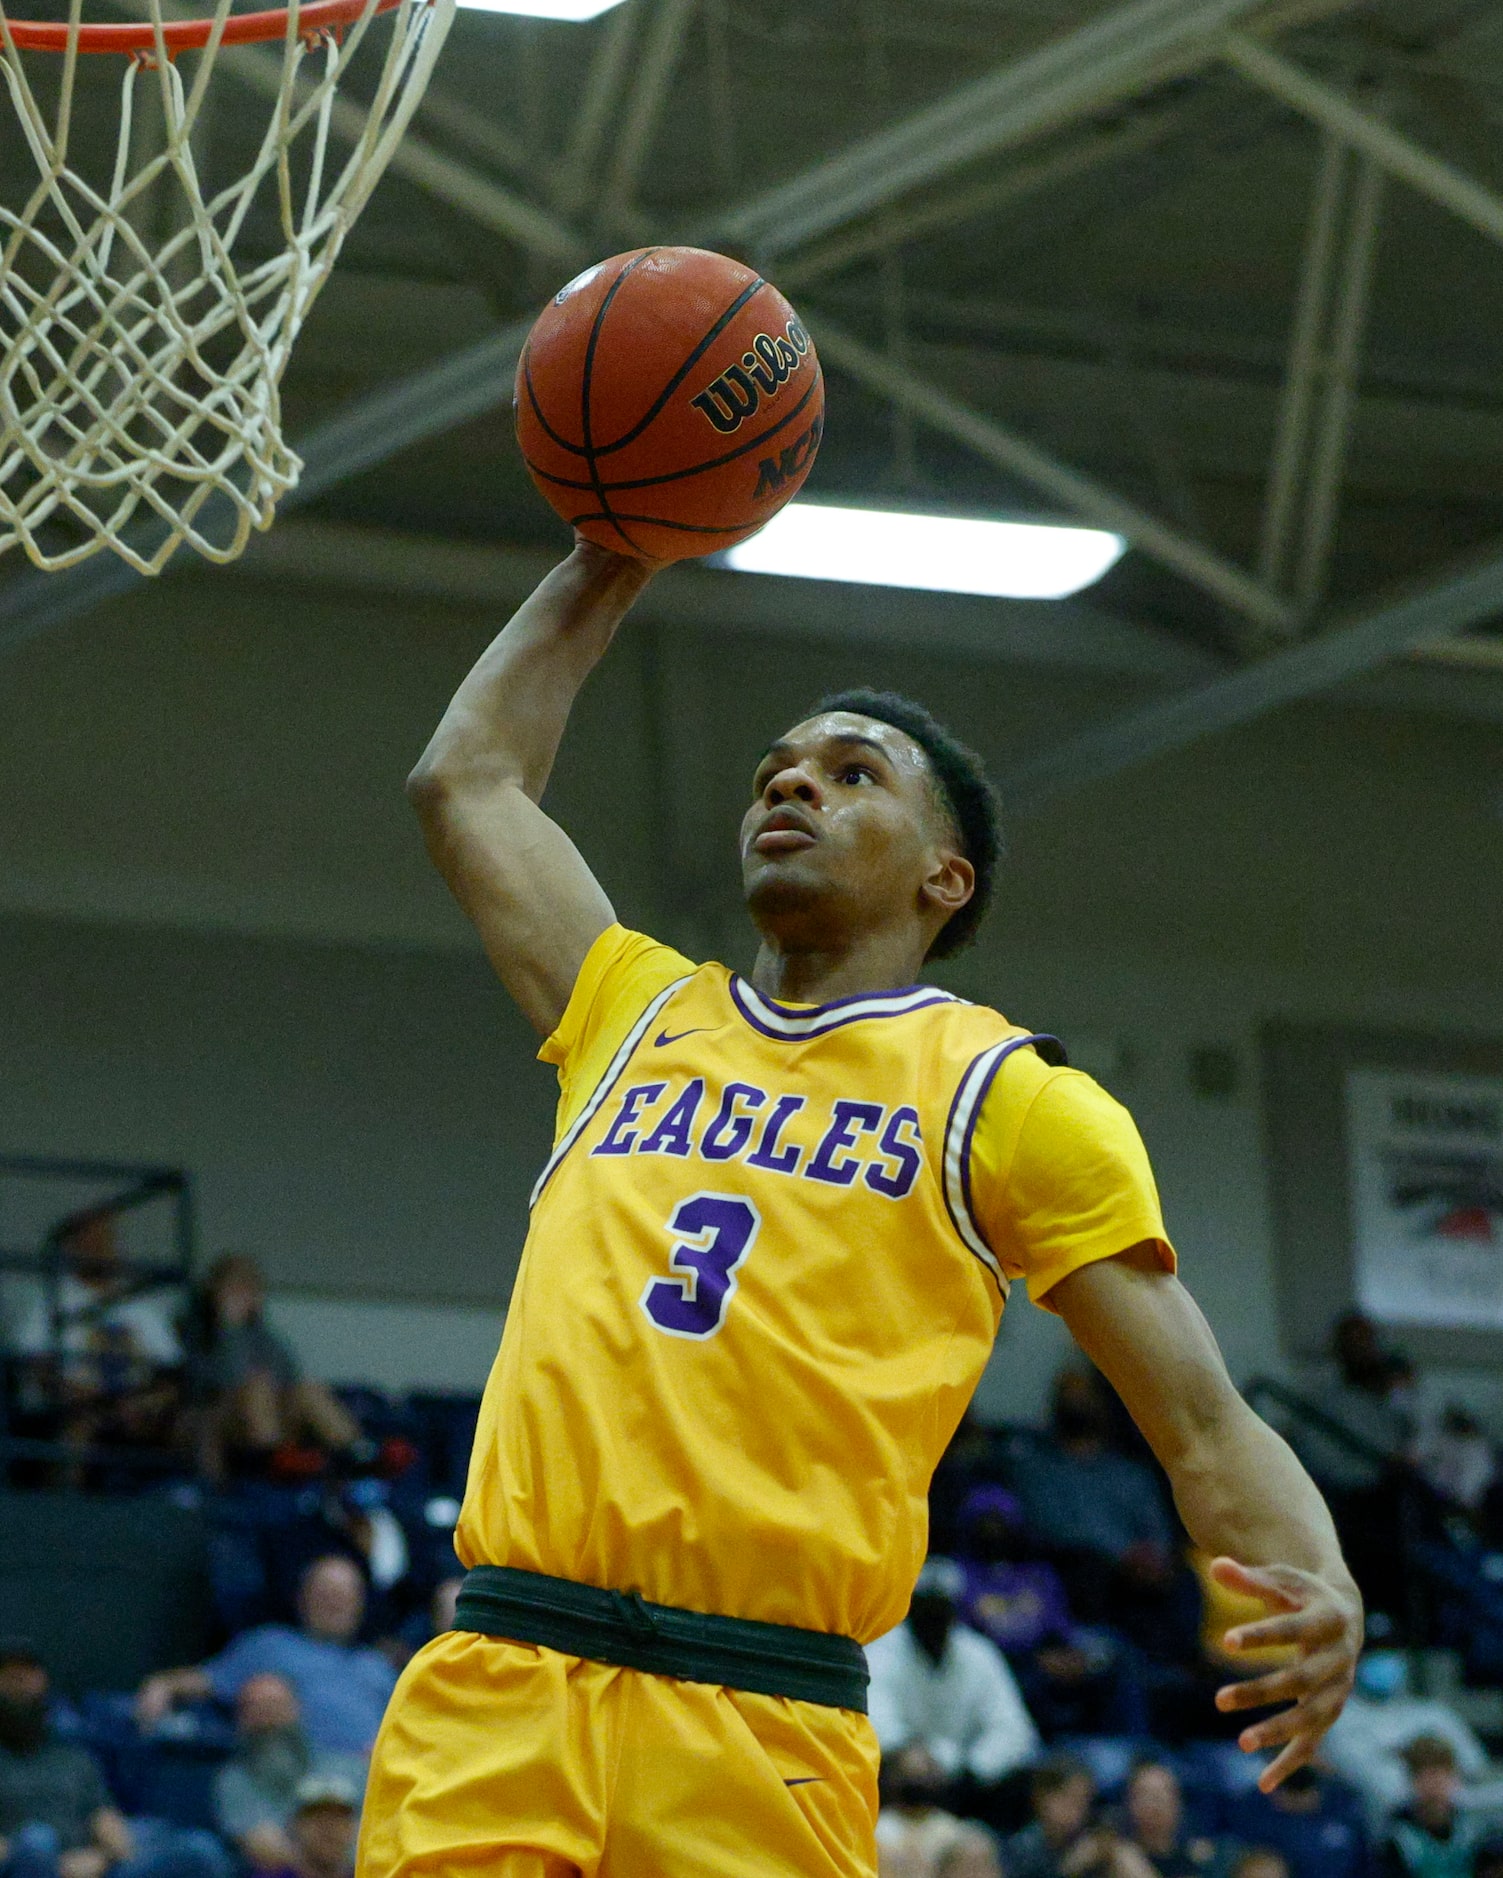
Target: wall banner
x,y
1426,1162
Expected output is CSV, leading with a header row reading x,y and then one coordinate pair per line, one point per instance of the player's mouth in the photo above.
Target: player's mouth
x,y
785,831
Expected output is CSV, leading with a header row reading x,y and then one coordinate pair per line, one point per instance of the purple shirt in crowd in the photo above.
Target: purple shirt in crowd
x,y
1020,1607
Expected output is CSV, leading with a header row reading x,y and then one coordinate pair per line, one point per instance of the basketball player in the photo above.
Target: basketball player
x,y
767,1262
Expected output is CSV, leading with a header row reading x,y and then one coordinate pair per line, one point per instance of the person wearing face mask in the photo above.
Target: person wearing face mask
x,y
57,1819
1366,1747
938,1684
1098,1512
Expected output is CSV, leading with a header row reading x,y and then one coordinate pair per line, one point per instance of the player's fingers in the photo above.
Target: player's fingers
x,y
1278,1586
1321,1623
1327,1669
1297,1754
1312,1715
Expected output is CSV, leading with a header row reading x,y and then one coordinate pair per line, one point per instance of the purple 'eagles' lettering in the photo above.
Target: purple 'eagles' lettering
x,y
847,1142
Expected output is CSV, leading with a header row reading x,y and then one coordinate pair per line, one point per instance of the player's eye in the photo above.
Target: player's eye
x,y
857,772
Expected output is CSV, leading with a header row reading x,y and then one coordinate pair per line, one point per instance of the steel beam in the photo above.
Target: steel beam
x,y
928,217
603,82
667,30
1110,58
1392,151
1469,595
1302,375
435,399
1334,434
1091,500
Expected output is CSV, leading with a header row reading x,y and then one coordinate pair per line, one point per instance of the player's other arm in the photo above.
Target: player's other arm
x,y
477,787
1243,1496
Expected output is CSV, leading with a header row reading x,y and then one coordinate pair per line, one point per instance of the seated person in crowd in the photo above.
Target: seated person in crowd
x,y
1153,1821
1430,1836
937,1684
255,1792
1366,1746
1260,1861
916,1837
1074,1679
253,1406
1099,1513
108,1364
342,1687
57,1819
1312,1822
1063,1840
324,1822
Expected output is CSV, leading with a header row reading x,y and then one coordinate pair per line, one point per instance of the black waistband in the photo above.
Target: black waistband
x,y
621,1627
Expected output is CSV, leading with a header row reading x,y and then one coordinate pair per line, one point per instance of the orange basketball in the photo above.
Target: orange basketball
x,y
669,402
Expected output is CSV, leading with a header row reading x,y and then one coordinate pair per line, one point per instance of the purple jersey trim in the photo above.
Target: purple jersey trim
x,y
788,1024
975,1086
603,1088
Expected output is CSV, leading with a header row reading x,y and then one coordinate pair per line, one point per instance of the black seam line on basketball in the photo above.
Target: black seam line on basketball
x,y
688,365
537,409
663,521
674,476
584,394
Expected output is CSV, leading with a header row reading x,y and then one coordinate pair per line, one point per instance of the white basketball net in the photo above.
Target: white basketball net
x,y
142,337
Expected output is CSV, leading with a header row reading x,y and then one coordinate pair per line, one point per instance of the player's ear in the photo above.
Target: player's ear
x,y
949,883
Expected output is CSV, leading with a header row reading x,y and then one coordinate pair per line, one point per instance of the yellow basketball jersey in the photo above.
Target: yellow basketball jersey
x,y
754,1301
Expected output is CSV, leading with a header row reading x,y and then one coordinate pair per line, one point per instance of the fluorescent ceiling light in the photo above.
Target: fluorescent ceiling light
x,y
545,9
939,553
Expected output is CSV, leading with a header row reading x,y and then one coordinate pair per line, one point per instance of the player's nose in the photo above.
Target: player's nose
x,y
793,783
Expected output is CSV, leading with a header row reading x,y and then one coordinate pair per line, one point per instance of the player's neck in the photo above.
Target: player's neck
x,y
876,962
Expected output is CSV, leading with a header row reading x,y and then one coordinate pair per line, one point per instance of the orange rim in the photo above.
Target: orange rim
x,y
189,35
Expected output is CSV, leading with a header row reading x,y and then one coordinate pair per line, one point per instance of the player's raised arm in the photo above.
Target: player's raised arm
x,y
1243,1496
477,787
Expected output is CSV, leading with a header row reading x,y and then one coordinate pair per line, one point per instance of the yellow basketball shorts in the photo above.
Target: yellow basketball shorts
x,y
513,1761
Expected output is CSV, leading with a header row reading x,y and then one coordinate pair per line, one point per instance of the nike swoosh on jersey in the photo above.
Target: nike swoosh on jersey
x,y
803,1780
662,1037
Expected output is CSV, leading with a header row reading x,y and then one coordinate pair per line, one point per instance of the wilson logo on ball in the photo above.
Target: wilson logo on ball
x,y
764,369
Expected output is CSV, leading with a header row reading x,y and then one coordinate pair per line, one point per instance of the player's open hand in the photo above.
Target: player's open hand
x,y
1323,1623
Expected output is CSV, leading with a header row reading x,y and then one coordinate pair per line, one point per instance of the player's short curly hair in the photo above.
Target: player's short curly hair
x,y
963,790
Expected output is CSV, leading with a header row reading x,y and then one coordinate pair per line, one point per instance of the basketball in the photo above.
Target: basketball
x,y
669,402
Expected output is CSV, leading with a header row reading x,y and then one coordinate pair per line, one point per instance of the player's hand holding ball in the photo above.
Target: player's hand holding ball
x,y
668,403
1325,1627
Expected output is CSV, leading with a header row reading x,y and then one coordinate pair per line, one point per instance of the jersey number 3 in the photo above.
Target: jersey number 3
x,y
713,1232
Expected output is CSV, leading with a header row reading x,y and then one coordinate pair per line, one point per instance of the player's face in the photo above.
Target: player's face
x,y
844,833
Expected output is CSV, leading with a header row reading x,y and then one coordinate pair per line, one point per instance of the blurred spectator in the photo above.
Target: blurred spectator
x,y
1311,1822
1489,1860
323,1829
1369,1396
1074,1679
1366,1746
1260,1861
1154,1822
1457,1459
342,1687
1100,1514
254,1407
255,1792
1062,1840
916,1838
56,1816
937,1684
102,1355
1431,1837
424,1625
